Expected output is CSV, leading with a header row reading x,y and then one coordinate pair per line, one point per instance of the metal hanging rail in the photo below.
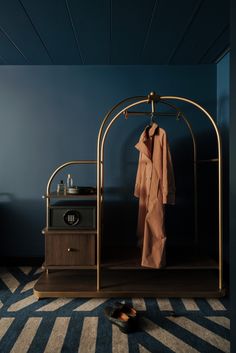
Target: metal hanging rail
x,y
130,113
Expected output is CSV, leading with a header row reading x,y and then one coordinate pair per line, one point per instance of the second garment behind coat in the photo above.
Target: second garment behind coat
x,y
155,186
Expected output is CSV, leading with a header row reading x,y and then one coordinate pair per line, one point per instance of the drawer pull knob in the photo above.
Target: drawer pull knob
x,y
69,249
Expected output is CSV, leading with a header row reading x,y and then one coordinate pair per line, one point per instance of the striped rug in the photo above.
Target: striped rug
x,y
78,325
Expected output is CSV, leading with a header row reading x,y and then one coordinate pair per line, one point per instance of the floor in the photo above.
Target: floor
x,y
70,325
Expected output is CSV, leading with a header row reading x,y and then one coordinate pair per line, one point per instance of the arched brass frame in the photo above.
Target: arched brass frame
x,y
152,98
47,196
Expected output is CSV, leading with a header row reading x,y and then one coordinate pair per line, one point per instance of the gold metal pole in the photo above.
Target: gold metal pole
x,y
219,144
194,180
101,181
100,186
208,160
153,106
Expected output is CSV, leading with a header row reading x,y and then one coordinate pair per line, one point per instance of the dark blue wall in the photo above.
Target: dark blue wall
x,y
52,114
232,149
223,119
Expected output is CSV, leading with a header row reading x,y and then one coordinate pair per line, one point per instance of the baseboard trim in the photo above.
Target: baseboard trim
x,y
21,261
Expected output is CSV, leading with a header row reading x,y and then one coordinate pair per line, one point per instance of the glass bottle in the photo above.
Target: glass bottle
x,y
61,187
69,182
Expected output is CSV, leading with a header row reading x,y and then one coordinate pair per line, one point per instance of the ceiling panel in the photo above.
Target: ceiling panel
x,y
130,23
9,54
19,30
52,20
122,32
169,25
218,47
92,25
210,20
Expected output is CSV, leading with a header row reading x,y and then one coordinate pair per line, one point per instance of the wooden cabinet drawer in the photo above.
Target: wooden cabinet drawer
x,y
71,249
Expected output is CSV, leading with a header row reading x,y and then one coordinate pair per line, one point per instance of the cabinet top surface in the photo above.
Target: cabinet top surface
x,y
55,195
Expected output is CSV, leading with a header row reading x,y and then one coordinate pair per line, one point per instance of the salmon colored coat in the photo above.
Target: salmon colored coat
x,y
155,186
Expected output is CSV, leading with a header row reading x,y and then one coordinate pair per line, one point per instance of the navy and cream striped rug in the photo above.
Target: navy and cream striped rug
x,y
78,325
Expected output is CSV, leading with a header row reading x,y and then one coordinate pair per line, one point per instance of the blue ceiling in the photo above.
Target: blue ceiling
x,y
113,32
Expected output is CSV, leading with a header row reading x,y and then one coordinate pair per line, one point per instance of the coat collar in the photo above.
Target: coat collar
x,y
145,142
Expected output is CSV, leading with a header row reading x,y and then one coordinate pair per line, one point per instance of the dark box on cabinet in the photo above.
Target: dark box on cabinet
x,y
73,215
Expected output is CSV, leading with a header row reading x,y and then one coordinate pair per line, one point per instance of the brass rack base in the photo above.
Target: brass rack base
x,y
138,283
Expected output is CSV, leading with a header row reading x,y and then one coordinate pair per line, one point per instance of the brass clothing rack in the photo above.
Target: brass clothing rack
x,y
195,277
153,99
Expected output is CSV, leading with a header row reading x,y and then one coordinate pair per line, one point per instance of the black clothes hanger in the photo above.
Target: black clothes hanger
x,y
151,119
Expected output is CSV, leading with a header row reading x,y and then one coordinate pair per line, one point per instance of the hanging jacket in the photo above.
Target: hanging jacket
x,y
154,186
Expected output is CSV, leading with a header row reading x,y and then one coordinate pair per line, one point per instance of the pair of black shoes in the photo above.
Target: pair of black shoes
x,y
122,315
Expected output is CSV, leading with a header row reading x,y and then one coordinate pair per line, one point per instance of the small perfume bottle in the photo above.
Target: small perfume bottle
x,y
69,182
61,187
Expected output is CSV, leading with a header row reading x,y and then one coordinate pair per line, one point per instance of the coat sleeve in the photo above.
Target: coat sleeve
x,y
138,177
168,180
